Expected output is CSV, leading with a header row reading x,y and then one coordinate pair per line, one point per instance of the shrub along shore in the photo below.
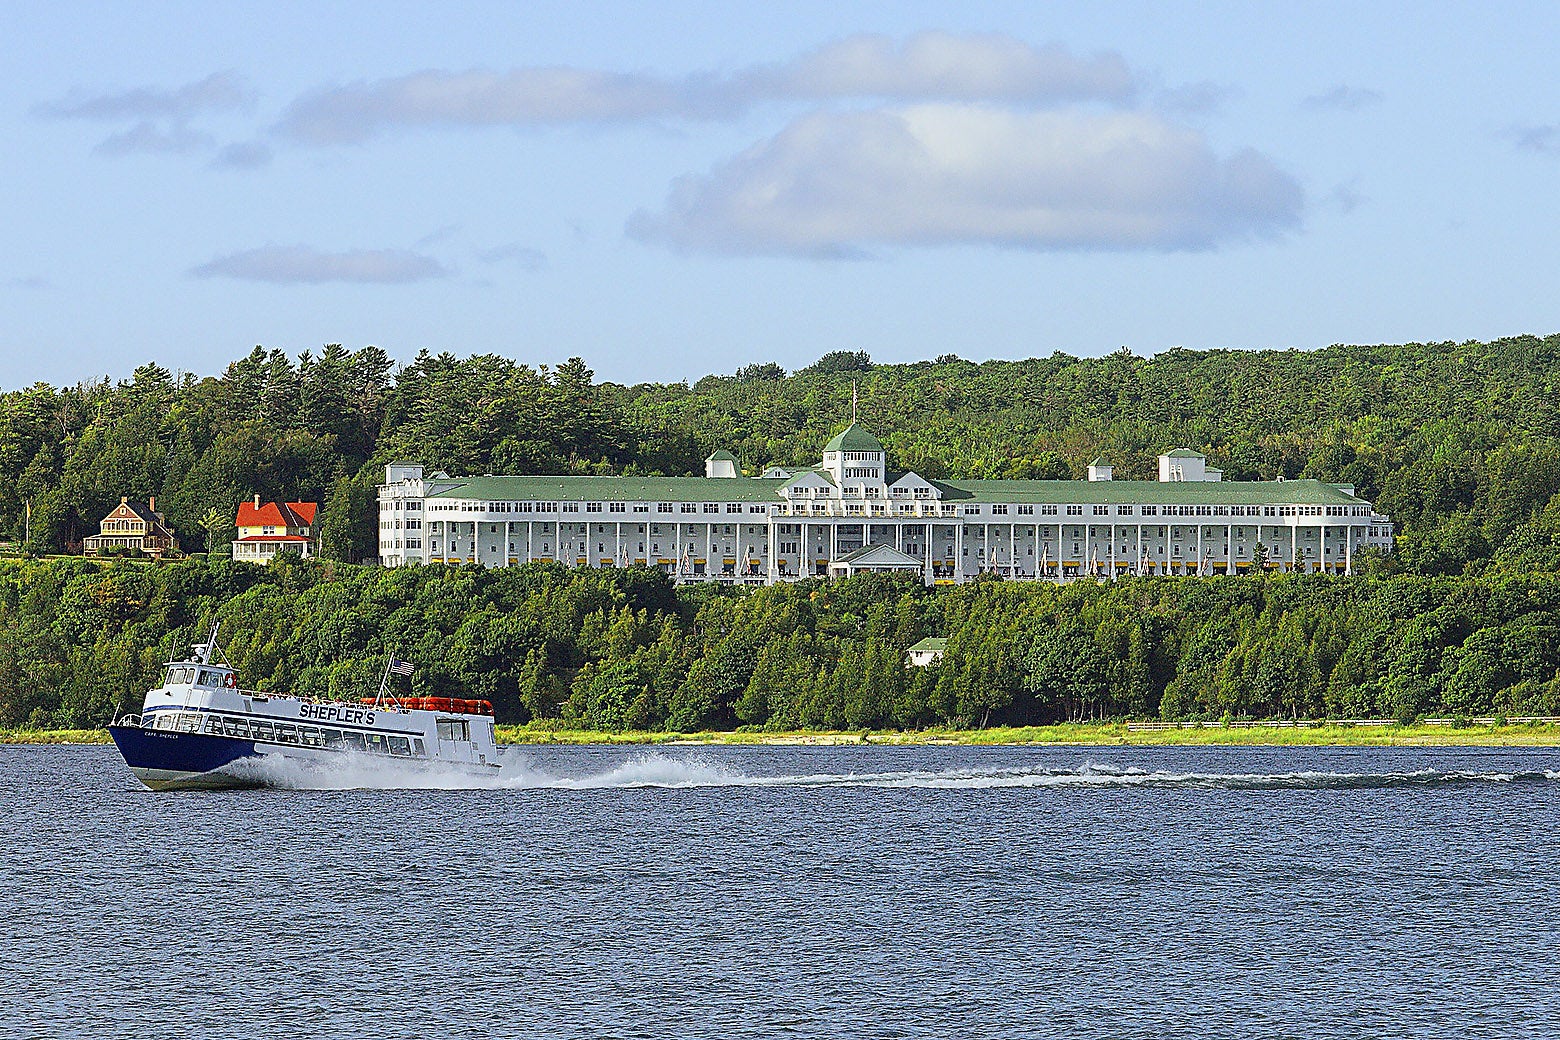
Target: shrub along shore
x,y
1067,734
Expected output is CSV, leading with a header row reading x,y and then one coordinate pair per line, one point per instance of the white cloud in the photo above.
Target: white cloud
x,y
243,155
159,117
146,137
289,265
1342,98
523,97
837,184
927,66
523,257
1545,140
221,91
943,66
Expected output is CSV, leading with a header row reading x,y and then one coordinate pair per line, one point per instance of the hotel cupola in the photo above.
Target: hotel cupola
x,y
854,455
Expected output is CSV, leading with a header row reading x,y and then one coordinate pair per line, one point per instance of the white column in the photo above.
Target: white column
x,y
1199,547
1348,549
958,552
926,555
1113,549
1137,567
1088,546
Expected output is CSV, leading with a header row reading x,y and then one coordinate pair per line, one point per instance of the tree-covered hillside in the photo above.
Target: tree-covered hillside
x,y
1460,443
621,649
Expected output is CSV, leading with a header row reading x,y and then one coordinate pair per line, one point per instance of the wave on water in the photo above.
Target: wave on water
x,y
656,770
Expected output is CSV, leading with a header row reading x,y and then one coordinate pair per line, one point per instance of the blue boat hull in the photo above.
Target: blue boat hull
x,y
165,760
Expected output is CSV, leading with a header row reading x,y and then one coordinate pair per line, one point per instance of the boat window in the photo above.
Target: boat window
x,y
189,722
417,747
165,720
375,742
178,675
310,736
453,729
332,737
210,678
212,724
287,734
235,727
400,746
354,740
260,730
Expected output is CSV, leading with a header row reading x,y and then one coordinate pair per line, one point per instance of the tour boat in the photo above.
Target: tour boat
x,y
200,729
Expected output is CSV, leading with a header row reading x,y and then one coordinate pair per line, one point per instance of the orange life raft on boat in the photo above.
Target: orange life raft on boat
x,y
458,705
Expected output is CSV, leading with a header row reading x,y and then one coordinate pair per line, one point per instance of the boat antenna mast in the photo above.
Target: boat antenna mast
x,y
206,652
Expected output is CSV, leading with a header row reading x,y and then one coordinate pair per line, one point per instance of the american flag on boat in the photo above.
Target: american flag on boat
x,y
401,667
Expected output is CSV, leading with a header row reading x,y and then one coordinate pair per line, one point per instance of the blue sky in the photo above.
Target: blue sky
x,y
676,189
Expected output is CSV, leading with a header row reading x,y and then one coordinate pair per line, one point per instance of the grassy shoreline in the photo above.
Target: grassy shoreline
x,y
1089,734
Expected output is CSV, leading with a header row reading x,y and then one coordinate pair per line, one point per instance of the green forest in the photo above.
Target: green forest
x,y
1458,442
622,649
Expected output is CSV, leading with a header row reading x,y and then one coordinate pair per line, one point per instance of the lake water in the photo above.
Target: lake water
x,y
796,892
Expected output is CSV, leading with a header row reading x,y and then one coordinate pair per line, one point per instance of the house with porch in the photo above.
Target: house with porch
x,y
266,529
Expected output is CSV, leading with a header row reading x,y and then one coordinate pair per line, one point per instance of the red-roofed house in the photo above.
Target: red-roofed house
x,y
265,529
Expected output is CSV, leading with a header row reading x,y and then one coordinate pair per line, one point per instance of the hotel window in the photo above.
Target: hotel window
x,y
592,507
571,507
1102,510
663,507
733,507
690,507
1150,510
1074,510
999,510
1125,510
1047,510
641,507
711,507
617,507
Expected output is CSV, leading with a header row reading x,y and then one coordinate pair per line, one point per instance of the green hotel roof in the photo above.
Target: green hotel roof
x,y
722,455
938,643
853,438
758,489
616,489
1150,492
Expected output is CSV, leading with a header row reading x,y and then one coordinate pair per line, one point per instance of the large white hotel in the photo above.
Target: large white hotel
x,y
853,514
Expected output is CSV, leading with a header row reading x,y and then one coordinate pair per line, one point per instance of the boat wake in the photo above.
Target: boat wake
x,y
656,770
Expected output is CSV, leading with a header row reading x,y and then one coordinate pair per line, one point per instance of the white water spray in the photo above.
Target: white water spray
x,y
658,770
